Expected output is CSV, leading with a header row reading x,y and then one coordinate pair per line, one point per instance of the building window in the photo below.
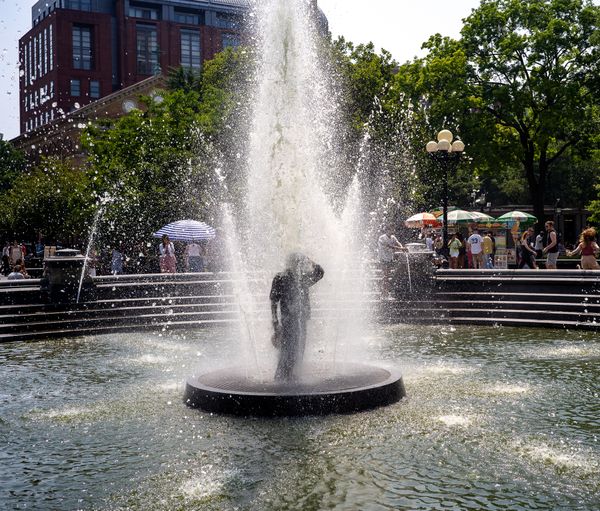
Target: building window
x,y
227,20
143,12
75,87
35,59
38,71
30,45
51,49
82,47
230,40
147,50
51,89
94,89
190,49
189,18
26,64
79,5
45,45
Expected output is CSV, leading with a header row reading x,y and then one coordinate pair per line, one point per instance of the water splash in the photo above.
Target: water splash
x,y
292,171
84,269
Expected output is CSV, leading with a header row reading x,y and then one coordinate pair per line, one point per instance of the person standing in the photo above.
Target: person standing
x,y
588,248
15,253
462,252
539,245
387,244
290,311
116,261
488,251
551,248
528,252
475,243
429,241
194,257
6,259
168,261
454,245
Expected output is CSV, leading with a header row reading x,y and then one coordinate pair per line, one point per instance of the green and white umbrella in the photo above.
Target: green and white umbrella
x,y
516,216
460,216
483,218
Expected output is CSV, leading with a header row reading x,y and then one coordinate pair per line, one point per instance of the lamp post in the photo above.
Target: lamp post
x,y
445,153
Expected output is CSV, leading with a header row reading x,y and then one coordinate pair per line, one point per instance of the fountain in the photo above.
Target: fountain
x,y
292,174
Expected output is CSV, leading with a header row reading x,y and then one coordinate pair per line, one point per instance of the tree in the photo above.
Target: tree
x,y
158,165
53,199
533,67
12,164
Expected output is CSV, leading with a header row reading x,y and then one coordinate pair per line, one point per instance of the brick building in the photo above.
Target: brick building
x,y
80,51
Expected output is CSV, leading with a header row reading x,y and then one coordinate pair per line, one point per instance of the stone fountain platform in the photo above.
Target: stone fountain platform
x,y
320,390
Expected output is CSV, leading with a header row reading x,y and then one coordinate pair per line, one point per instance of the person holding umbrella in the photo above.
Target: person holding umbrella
x,y
168,261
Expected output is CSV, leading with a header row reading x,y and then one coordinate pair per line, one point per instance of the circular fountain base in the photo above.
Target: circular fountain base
x,y
350,388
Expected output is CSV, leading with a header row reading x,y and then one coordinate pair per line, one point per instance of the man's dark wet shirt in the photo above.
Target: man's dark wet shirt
x,y
290,290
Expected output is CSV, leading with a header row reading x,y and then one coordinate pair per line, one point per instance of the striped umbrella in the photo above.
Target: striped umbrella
x,y
421,220
482,218
186,230
516,216
460,216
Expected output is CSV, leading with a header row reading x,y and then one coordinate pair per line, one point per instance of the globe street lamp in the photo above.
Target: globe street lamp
x,y
445,153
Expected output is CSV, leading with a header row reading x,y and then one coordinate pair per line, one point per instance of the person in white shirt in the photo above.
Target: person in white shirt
x,y
429,241
387,244
194,258
539,244
17,273
475,242
15,253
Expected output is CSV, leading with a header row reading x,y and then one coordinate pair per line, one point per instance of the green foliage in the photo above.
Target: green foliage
x,y
12,164
185,79
52,199
156,165
519,87
148,164
533,67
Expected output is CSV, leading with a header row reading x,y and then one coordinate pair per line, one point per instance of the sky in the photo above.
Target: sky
x,y
399,26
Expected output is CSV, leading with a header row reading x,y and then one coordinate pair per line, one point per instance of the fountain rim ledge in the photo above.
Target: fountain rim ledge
x,y
300,403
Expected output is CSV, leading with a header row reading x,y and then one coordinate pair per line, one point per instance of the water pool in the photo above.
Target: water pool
x,y
497,418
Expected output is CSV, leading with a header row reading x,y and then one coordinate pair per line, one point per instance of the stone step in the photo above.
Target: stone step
x,y
106,329
522,322
521,305
501,295
67,324
534,314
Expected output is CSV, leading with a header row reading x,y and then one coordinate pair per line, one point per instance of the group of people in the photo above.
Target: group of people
x,y
13,261
172,258
533,247
193,255
476,251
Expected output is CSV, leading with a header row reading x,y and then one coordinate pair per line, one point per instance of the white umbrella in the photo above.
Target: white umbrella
x,y
186,230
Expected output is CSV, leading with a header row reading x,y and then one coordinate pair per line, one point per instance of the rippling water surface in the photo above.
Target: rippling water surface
x,y
496,418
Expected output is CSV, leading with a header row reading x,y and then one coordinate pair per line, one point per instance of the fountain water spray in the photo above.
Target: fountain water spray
x,y
292,171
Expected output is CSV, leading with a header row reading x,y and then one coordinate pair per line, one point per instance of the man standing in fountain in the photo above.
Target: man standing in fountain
x,y
290,291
